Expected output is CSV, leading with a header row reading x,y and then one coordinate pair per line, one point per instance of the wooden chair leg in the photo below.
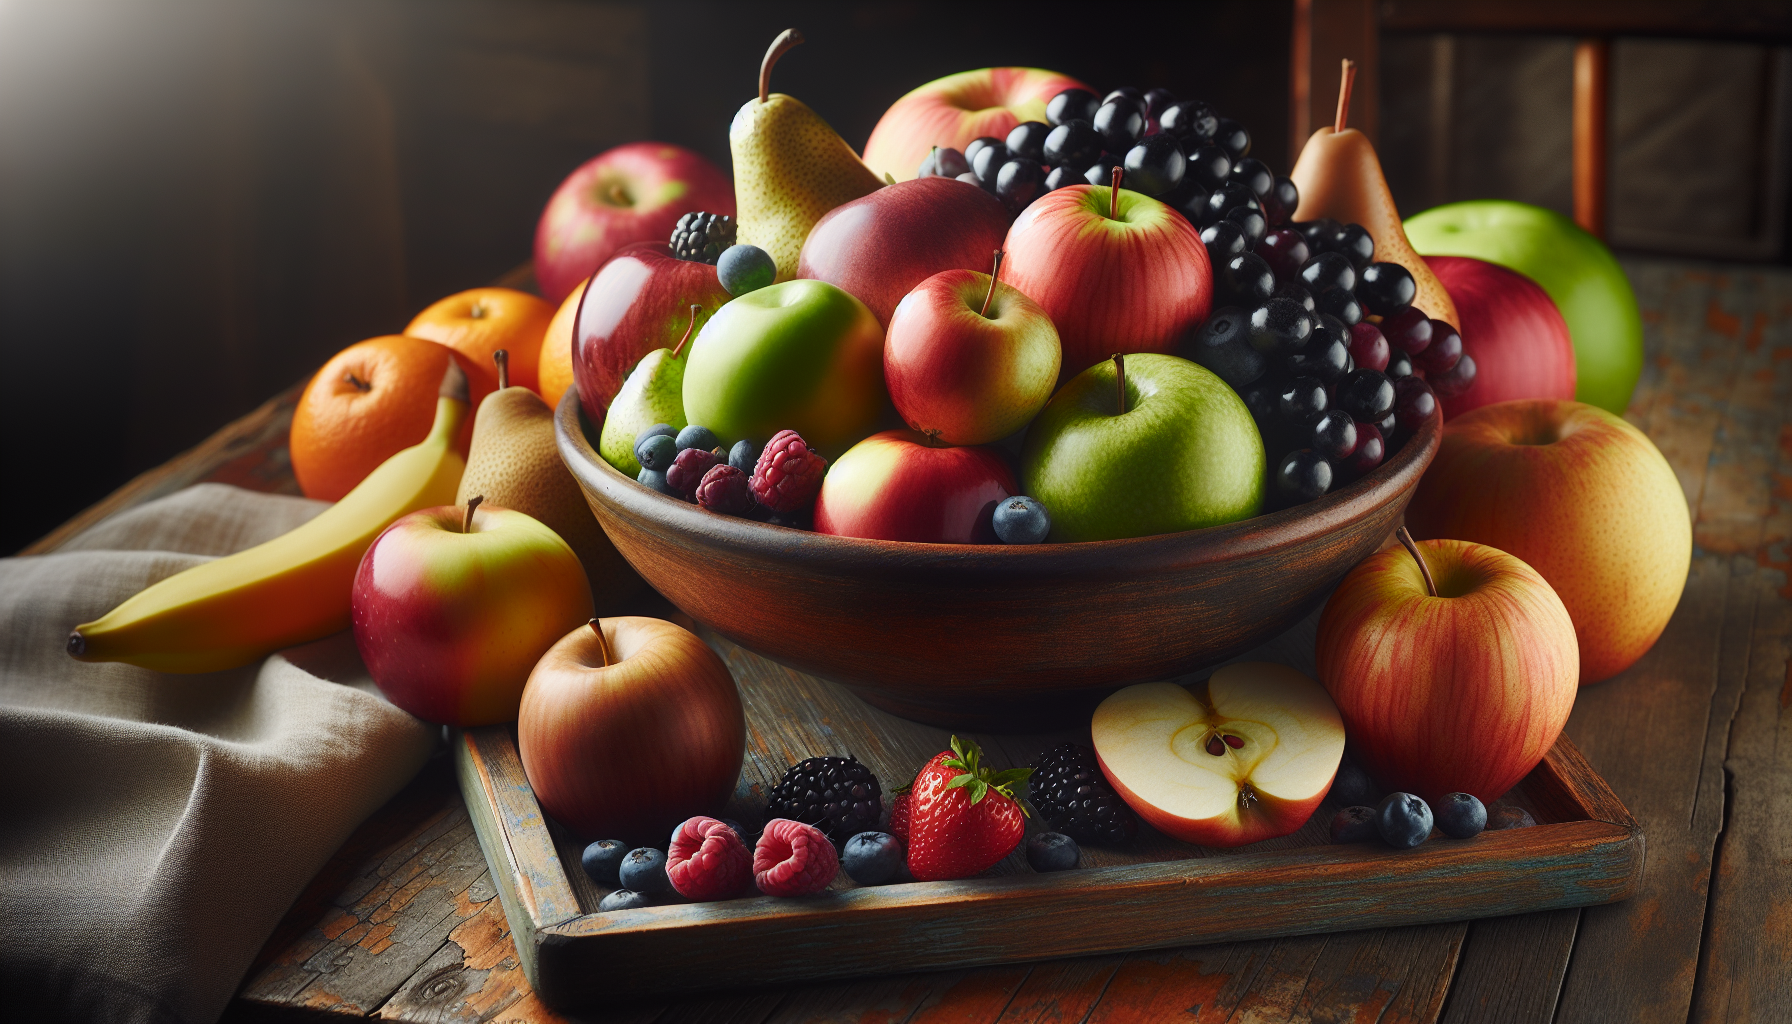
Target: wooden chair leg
x,y
1591,74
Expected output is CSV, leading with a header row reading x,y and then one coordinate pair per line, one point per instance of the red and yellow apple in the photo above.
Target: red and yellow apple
x,y
1135,282
628,727
952,111
633,193
451,611
1248,759
965,374
896,486
880,246
1582,497
1512,330
1462,692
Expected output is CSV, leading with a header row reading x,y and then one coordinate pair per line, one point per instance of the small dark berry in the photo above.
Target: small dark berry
x,y
1052,851
1461,816
1403,820
1506,816
602,859
643,870
1354,825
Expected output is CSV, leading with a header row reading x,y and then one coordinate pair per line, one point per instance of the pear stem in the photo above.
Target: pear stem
x,y
1344,95
994,273
1120,380
1114,193
603,645
688,328
1424,570
466,521
502,358
787,40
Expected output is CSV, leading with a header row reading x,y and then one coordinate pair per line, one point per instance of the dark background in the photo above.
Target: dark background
x,y
201,200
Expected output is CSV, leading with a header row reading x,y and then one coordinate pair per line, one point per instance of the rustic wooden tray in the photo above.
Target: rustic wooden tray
x,y
1586,849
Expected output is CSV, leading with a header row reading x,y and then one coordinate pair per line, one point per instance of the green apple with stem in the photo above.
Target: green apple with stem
x,y
653,393
802,355
1143,444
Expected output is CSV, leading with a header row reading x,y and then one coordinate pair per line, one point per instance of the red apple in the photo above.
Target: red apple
x,y
1585,499
451,611
1513,331
633,193
641,300
895,486
1247,758
962,374
628,727
1135,282
952,111
880,246
1462,692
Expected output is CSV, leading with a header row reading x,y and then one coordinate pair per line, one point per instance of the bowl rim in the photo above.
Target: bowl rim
x,y
1246,537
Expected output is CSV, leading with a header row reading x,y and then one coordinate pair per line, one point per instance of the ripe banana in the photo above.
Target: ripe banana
x,y
289,590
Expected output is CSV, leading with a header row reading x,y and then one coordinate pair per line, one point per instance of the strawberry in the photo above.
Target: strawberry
x,y
904,803
964,818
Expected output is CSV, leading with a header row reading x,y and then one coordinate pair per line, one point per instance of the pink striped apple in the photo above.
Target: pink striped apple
x,y
1454,682
452,607
1115,276
896,486
951,111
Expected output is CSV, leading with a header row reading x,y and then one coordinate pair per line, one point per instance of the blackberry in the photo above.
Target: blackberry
x,y
700,237
838,795
1068,790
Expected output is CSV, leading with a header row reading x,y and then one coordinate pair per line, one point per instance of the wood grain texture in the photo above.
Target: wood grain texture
x,y
1533,947
889,619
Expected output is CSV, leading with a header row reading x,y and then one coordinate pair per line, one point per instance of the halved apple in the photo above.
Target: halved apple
x,y
1247,757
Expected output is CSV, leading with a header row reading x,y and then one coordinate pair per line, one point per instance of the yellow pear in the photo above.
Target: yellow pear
x,y
1340,177
789,168
515,463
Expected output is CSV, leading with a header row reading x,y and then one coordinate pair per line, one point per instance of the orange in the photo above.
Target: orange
x,y
555,367
369,402
479,322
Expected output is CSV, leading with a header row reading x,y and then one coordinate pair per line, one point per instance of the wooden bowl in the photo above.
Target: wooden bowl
x,y
988,636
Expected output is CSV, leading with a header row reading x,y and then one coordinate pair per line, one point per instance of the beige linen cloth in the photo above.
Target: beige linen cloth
x,y
154,828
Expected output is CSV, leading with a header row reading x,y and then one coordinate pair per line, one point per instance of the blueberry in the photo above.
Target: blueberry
x,y
654,431
1403,820
1461,816
694,436
745,268
1223,346
1506,816
744,456
622,899
644,871
1354,825
654,480
1354,786
657,452
1021,520
1052,851
872,858
602,858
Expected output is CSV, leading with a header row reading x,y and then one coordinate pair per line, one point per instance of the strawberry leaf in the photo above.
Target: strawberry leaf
x,y
979,790
961,780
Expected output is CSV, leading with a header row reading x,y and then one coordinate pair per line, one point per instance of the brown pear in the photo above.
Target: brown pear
x,y
515,463
1340,177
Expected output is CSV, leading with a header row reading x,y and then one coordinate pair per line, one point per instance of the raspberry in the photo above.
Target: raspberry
x,y
793,859
724,490
788,475
688,469
707,860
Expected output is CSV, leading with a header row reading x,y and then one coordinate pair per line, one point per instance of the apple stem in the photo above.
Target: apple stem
x,y
1344,94
1120,380
360,385
502,358
466,521
786,41
688,328
994,273
1114,193
1424,570
603,644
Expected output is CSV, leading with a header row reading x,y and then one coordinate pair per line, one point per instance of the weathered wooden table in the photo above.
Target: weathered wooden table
x,y
1696,739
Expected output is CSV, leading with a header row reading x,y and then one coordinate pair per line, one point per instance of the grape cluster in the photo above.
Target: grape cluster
x,y
1325,347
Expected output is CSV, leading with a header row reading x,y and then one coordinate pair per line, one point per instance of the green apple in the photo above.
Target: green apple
x,y
1182,455
1575,268
653,393
803,355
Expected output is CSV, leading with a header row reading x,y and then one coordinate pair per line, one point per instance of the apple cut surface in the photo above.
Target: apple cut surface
x,y
1249,762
